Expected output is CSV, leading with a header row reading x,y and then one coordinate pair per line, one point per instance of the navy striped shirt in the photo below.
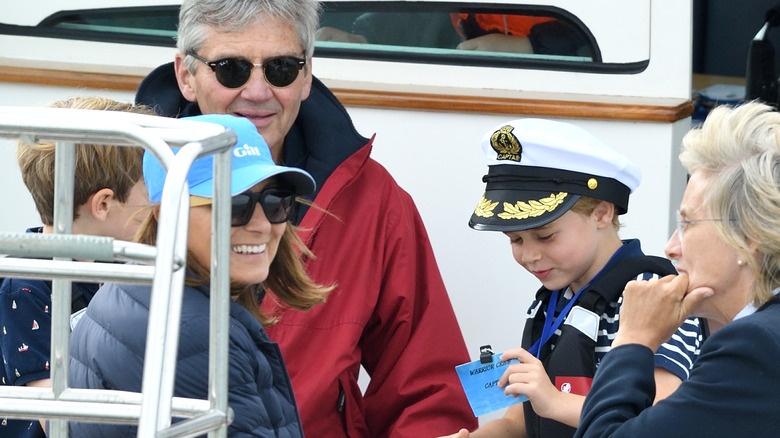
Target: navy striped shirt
x,y
676,355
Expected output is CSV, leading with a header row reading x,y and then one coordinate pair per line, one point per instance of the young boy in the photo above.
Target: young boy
x,y
109,192
556,191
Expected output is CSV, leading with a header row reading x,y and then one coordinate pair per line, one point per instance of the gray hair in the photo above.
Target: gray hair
x,y
738,149
196,17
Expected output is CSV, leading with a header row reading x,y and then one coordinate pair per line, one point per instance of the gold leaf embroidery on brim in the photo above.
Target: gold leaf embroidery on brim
x,y
485,207
532,208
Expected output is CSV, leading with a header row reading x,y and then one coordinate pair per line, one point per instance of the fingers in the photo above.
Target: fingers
x,y
677,282
527,378
652,310
515,353
694,297
667,290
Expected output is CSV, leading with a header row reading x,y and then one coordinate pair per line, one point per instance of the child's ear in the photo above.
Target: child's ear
x,y
100,203
603,213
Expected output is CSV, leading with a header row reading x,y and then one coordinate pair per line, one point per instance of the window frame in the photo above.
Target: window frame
x,y
45,29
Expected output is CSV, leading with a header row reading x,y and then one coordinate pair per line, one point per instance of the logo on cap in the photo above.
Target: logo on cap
x,y
506,144
245,150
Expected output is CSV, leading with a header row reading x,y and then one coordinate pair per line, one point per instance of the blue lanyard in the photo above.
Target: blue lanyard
x,y
551,323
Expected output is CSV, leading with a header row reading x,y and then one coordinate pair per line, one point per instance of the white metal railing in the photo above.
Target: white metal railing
x,y
56,256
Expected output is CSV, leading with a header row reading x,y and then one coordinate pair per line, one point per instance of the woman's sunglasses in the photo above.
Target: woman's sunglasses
x,y
278,205
280,71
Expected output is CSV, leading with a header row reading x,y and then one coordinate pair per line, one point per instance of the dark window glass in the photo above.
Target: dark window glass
x,y
156,22
457,33
496,35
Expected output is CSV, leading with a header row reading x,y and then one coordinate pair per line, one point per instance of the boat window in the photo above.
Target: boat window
x,y
455,33
148,25
435,32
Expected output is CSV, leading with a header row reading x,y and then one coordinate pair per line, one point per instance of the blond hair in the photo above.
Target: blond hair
x,y
98,166
585,206
738,149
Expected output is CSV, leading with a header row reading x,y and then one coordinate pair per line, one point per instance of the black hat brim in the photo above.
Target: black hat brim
x,y
518,210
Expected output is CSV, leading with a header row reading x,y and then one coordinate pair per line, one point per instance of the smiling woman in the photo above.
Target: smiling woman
x,y
107,345
426,104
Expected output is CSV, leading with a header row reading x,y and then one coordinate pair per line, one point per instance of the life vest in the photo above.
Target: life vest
x,y
572,363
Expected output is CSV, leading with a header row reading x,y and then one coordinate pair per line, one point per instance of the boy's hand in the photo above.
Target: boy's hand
x,y
528,378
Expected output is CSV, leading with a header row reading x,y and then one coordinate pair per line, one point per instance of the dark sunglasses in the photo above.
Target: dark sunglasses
x,y
280,71
278,205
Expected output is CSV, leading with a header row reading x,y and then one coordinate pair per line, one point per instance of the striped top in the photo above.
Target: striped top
x,y
676,355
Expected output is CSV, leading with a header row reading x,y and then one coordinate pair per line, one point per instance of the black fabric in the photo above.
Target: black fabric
x,y
316,142
575,356
575,353
559,38
81,294
610,286
534,182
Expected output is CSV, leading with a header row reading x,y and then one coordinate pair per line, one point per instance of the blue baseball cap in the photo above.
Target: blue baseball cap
x,y
250,164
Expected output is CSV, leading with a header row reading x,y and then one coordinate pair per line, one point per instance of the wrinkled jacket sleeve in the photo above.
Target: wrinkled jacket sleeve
x,y
733,390
413,340
390,313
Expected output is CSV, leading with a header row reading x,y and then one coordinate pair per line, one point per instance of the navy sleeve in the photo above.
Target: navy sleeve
x,y
25,341
678,353
733,390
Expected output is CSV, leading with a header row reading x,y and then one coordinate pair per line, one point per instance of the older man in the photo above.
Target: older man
x,y
390,312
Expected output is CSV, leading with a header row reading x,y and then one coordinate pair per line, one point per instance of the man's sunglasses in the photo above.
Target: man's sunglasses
x,y
280,71
278,205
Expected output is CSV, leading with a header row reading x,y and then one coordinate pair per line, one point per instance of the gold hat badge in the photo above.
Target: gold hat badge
x,y
506,144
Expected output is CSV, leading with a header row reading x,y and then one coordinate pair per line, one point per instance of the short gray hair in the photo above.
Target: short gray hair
x,y
196,17
738,149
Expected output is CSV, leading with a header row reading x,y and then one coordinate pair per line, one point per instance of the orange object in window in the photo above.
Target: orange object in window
x,y
518,25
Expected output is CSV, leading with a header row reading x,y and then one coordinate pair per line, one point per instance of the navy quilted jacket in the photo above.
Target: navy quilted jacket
x,y
107,349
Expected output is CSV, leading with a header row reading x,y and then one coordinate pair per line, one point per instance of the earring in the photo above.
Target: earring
x,y
740,262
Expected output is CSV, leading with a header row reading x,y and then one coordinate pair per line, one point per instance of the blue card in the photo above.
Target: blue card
x,y
480,382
